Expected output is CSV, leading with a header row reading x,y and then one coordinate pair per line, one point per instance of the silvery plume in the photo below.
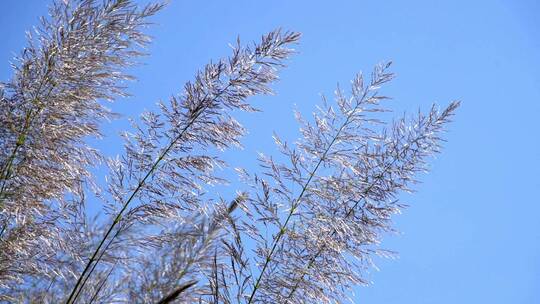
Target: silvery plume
x,y
303,229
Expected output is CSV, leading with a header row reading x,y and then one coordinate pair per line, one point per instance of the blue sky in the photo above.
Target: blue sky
x,y
472,233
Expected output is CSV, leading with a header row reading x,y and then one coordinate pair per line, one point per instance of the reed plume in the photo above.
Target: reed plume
x,y
303,229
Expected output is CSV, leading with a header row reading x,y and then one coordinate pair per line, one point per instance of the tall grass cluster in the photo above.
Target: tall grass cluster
x,y
300,230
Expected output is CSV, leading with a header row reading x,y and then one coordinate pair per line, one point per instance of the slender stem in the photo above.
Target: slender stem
x,y
74,293
96,293
297,202
314,257
95,264
334,231
118,217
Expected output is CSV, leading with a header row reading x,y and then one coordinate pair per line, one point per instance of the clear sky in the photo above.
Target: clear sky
x,y
472,233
